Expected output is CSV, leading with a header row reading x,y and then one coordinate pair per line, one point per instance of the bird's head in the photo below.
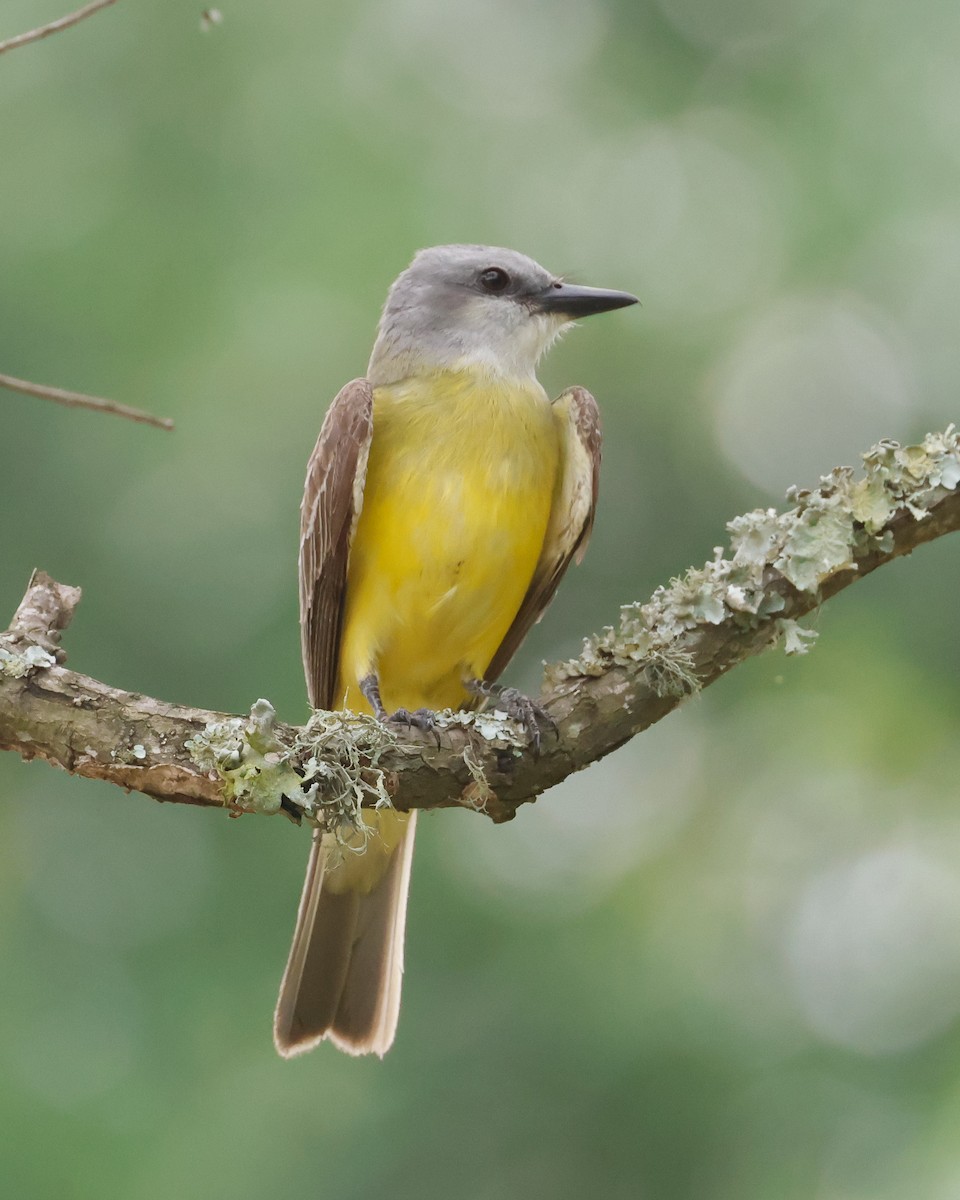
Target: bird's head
x,y
477,308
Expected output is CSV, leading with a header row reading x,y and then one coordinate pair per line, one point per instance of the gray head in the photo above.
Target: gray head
x,y
477,307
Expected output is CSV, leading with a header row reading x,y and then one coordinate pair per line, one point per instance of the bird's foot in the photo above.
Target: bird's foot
x,y
520,707
420,718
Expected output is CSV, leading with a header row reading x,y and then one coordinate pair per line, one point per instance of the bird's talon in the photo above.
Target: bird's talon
x,y
521,709
420,718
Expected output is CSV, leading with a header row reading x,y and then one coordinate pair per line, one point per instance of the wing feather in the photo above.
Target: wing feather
x,y
571,516
332,500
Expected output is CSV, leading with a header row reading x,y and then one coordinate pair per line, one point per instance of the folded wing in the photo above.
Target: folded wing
x,y
571,516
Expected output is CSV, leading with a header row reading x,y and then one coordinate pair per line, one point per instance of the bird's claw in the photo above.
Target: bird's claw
x,y
420,718
526,712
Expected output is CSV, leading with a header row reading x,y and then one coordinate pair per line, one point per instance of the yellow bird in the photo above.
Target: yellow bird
x,y
444,499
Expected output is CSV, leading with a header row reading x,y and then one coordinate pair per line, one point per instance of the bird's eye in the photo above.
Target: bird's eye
x,y
493,279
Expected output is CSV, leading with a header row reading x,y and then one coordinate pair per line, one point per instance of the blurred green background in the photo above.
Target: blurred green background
x,y
725,963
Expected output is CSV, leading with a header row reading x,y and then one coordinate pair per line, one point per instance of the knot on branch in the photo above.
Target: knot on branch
x,y
32,641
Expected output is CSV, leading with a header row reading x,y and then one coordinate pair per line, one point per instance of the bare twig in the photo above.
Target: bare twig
x,y
59,395
34,35
80,400
779,568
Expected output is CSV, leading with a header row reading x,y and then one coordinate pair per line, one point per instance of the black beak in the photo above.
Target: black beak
x,y
570,300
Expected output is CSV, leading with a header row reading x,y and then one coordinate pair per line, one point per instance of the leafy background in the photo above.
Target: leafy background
x,y
725,963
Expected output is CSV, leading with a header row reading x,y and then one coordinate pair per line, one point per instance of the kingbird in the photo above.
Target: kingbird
x,y
444,499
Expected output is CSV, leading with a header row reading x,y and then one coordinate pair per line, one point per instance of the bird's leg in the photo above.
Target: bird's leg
x,y
370,687
421,718
515,704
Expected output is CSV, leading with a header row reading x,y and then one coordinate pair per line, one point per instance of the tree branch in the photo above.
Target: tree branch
x,y
34,35
81,400
779,567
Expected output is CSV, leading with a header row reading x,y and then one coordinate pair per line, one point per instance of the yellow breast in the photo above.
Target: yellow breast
x,y
460,482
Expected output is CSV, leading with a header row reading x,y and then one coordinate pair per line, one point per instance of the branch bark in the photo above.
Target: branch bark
x,y
779,567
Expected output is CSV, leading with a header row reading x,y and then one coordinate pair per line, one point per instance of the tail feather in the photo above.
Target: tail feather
x,y
345,968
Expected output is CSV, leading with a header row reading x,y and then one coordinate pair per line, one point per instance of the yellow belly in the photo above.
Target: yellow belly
x,y
460,482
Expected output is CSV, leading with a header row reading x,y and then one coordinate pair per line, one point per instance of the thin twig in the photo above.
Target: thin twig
x,y
79,400
34,35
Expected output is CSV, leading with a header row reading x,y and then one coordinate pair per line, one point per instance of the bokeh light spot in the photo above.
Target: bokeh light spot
x,y
873,952
810,384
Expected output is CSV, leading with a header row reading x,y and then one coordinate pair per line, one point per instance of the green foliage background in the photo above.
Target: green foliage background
x,y
724,964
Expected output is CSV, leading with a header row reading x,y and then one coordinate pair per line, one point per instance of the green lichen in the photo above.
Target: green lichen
x,y
255,768
823,534
327,772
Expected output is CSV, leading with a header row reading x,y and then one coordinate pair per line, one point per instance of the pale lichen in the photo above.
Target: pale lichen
x,y
478,793
826,532
795,638
671,672
17,660
340,754
498,730
129,756
495,726
330,770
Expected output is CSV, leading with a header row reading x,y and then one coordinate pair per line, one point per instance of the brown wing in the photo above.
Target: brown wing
x,y
332,499
571,517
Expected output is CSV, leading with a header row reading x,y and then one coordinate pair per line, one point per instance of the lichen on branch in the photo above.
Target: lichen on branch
x,y
829,530
748,597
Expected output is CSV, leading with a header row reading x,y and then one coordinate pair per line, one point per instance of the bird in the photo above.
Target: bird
x,y
444,499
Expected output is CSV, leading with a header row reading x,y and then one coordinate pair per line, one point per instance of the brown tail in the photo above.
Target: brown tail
x,y
346,963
